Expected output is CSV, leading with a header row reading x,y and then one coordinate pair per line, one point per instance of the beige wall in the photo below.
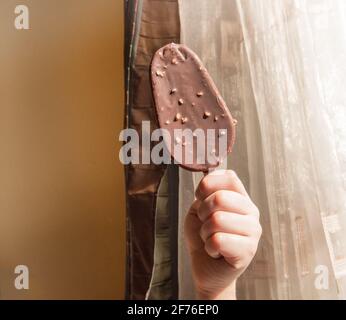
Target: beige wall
x,y
61,183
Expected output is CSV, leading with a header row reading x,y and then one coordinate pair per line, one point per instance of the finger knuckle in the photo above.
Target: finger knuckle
x,y
216,241
252,249
217,220
204,187
259,230
256,227
220,198
256,211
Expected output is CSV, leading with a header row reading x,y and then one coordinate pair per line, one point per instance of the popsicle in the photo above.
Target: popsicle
x,y
186,97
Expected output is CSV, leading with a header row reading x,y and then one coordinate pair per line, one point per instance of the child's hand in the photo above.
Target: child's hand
x,y
222,231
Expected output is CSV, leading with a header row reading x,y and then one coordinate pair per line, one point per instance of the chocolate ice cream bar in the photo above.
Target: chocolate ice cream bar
x,y
199,126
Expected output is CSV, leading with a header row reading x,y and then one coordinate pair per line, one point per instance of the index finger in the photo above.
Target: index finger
x,y
220,180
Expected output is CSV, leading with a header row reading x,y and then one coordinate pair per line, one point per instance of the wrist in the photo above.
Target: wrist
x,y
228,293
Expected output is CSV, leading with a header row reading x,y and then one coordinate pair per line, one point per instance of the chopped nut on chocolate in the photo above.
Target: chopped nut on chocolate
x,y
184,120
181,102
174,90
177,117
160,73
207,114
200,94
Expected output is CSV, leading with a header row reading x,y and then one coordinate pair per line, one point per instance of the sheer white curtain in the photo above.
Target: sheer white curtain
x,y
281,66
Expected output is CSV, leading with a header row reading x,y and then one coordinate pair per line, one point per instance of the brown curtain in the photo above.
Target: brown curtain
x,y
149,25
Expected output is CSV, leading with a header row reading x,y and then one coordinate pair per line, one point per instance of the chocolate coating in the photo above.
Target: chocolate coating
x,y
186,98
